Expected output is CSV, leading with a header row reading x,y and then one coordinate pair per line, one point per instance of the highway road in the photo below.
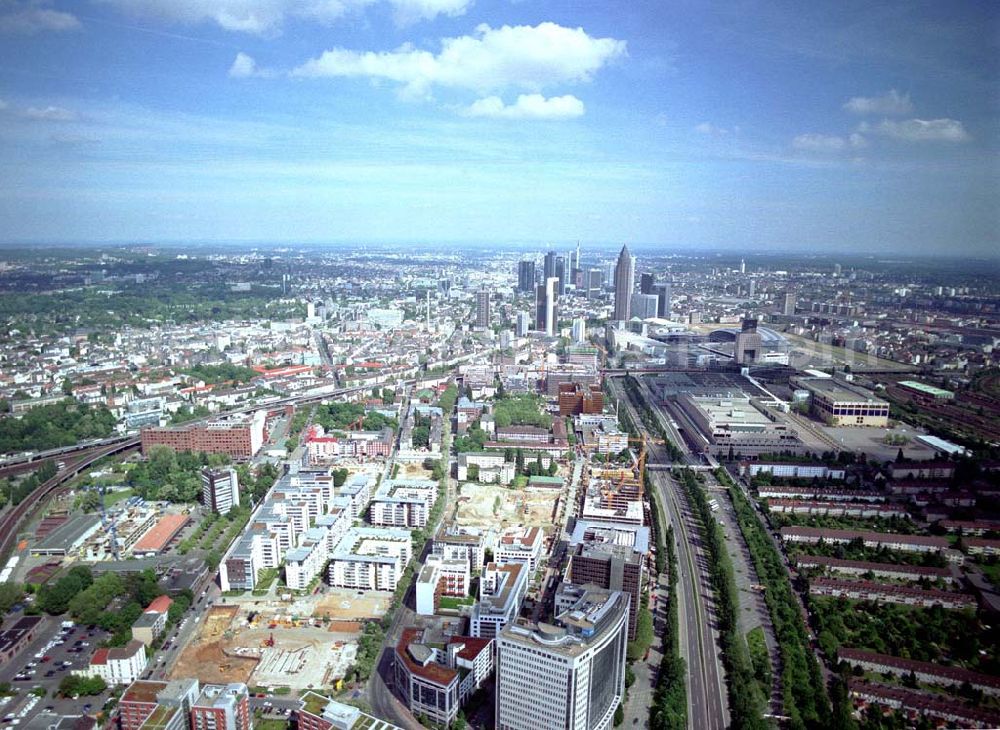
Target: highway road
x,y
699,647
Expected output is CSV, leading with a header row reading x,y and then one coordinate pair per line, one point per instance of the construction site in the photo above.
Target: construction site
x,y
490,505
272,644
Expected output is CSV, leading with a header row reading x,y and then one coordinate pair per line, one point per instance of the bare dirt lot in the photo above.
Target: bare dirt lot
x,y
269,648
205,656
345,604
489,505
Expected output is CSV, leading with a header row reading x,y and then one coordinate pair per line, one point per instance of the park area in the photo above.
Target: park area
x,y
490,505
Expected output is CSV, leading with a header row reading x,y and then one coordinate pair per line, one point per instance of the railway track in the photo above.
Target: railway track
x,y
11,522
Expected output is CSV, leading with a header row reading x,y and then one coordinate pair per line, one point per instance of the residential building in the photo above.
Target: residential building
x,y
403,502
436,682
371,558
153,621
117,666
520,545
461,543
222,707
501,591
220,489
441,577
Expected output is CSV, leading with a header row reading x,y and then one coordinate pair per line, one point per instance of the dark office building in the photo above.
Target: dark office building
x,y
526,276
561,274
540,307
646,283
598,556
663,293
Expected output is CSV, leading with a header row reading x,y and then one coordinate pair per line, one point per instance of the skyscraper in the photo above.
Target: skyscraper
x,y
525,276
663,294
549,266
788,303
643,306
576,262
551,313
624,284
646,283
579,330
540,307
523,324
561,274
483,308
743,266
566,674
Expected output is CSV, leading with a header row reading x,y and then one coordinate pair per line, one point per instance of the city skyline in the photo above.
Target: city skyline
x,y
774,128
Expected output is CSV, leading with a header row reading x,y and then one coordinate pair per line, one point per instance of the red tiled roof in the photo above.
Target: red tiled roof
x,y
433,672
473,647
160,604
162,532
100,657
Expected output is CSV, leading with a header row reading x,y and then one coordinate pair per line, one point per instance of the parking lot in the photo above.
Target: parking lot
x,y
42,666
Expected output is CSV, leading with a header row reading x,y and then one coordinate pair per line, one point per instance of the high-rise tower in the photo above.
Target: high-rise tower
x,y
483,308
624,284
525,276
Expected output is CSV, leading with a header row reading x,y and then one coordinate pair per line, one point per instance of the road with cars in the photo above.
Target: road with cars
x,y
699,640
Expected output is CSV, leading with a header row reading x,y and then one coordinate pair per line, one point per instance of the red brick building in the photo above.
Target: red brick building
x,y
577,398
238,436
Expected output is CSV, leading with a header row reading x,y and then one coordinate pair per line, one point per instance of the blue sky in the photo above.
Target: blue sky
x,y
759,126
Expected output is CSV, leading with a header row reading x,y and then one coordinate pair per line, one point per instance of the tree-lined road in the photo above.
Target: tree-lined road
x,y
699,647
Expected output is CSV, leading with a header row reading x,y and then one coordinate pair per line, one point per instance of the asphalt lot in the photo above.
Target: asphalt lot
x,y
47,674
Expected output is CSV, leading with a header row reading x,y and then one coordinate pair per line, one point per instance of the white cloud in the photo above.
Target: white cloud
x,y
50,114
268,17
919,130
527,106
244,67
891,103
811,142
29,18
411,11
525,57
712,130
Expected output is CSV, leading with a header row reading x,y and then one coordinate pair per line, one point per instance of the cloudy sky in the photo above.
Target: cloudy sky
x,y
761,126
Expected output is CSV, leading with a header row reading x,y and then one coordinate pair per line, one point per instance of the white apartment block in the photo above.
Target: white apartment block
x,y
306,561
501,591
461,543
370,558
440,577
519,545
403,502
117,666
220,489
